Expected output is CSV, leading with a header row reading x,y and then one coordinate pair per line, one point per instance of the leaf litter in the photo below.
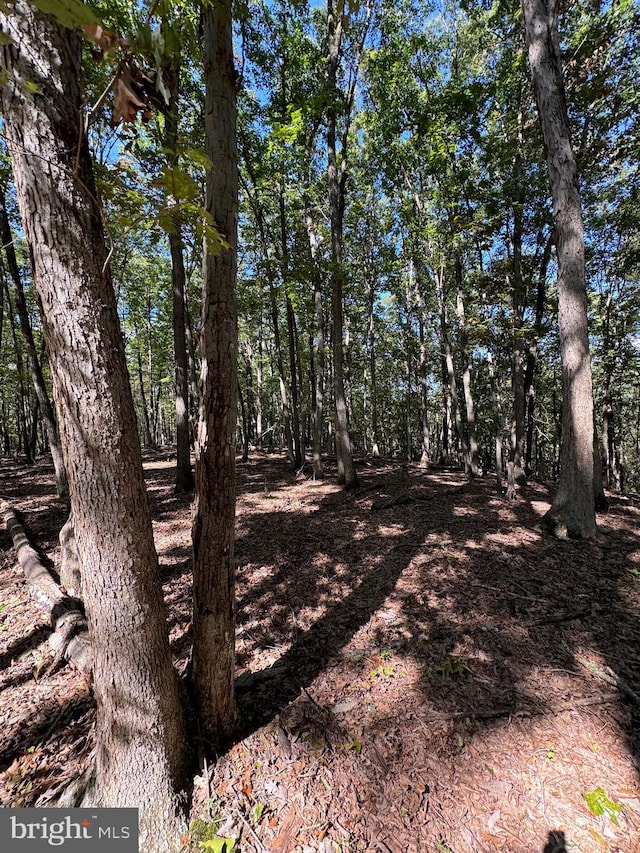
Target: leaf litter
x,y
420,667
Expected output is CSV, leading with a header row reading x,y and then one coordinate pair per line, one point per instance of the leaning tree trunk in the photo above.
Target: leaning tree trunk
x,y
140,734
573,510
35,368
213,661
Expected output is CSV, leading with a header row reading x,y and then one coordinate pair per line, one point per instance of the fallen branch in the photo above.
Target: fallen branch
x,y
70,639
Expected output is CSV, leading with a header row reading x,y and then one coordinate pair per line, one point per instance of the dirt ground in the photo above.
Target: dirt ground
x,y
420,667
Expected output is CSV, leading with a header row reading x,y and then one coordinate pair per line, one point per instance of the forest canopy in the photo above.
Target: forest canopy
x,y
447,265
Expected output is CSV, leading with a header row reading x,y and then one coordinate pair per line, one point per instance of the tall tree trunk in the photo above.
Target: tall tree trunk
x,y
35,368
497,423
517,304
573,510
184,474
213,661
148,440
452,405
318,389
532,354
346,468
371,340
24,444
141,752
296,438
425,455
471,458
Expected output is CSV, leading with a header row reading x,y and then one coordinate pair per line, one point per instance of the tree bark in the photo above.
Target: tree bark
x,y
35,368
213,660
184,474
573,510
141,754
318,387
471,457
346,468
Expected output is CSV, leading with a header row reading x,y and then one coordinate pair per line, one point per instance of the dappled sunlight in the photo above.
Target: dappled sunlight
x,y
417,660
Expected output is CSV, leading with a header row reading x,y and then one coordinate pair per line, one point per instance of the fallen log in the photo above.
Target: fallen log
x,y
70,638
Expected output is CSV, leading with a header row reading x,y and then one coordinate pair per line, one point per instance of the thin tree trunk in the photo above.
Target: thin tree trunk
x,y
35,368
517,303
21,408
573,510
425,455
532,353
213,662
184,474
141,751
318,389
497,423
471,458
453,407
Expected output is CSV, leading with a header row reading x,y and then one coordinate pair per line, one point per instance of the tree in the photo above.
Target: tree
x,y
213,662
35,368
184,474
337,178
141,751
573,510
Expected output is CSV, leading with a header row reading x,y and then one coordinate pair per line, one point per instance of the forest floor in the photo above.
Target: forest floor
x,y
420,667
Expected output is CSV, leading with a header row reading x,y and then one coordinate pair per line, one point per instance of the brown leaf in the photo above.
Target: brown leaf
x,y
127,98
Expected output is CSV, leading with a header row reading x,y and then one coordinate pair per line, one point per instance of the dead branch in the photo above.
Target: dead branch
x,y
70,639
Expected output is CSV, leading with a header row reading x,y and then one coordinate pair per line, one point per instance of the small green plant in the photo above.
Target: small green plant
x,y
257,813
385,654
203,830
442,846
219,845
449,669
599,804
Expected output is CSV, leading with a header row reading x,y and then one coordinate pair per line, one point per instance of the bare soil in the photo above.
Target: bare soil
x,y
420,666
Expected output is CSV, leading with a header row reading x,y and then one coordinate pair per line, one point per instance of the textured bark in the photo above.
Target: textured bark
x,y
140,743
213,660
346,468
35,368
573,510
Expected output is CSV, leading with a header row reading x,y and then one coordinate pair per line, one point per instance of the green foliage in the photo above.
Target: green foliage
x,y
219,844
70,13
600,804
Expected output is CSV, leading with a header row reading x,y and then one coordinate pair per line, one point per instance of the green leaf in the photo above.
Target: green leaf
x,y
219,844
179,184
599,804
5,39
70,13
